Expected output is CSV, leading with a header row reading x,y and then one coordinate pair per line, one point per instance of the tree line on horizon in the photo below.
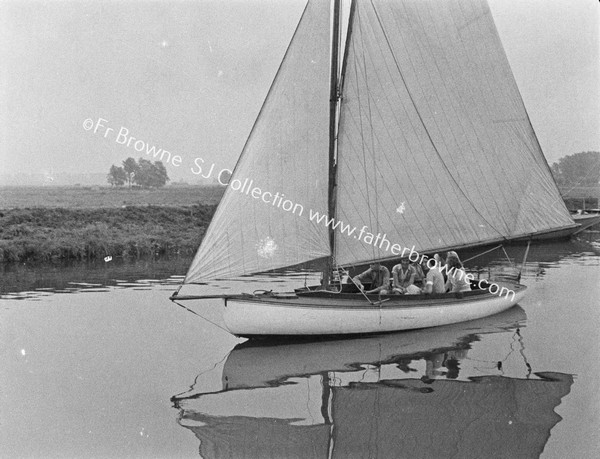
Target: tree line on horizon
x,y
142,173
578,169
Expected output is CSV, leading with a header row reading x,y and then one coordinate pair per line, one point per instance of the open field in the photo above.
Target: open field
x,y
78,223
106,197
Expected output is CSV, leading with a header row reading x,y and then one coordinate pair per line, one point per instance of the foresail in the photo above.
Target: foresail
x,y
435,146
262,221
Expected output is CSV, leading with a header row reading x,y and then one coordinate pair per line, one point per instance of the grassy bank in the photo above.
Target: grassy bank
x,y
48,234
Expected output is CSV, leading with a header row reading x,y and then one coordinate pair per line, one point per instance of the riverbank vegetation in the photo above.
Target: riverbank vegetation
x,y
49,223
49,234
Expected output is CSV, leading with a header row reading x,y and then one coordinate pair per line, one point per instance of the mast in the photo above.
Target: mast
x,y
333,109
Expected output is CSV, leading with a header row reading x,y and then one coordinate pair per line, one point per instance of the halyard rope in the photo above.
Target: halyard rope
x,y
194,312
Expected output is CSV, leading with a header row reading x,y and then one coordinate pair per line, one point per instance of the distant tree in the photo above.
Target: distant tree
x,y
116,176
150,175
579,169
131,168
161,173
143,175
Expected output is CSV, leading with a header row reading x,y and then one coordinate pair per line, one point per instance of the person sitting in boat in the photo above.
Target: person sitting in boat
x,y
378,276
457,277
404,278
434,280
420,276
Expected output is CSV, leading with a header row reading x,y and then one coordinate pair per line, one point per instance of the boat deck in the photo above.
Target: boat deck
x,y
322,299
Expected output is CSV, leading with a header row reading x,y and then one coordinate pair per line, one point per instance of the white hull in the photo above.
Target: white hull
x,y
352,314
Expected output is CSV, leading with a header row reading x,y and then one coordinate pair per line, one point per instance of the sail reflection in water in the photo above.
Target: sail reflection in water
x,y
396,395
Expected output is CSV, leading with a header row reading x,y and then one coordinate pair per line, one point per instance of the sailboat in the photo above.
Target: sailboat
x,y
394,395
404,127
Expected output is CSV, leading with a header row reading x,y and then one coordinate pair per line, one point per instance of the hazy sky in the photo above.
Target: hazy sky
x,y
189,77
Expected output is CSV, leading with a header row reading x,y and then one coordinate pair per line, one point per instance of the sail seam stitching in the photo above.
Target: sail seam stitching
x,y
423,123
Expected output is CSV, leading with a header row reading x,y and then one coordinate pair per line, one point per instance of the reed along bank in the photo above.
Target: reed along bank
x,y
52,234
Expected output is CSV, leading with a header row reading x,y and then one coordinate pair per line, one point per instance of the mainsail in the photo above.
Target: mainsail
x,y
285,157
435,146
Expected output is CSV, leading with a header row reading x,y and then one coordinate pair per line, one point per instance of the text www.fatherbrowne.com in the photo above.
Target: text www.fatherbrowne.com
x,y
277,200
380,241
273,199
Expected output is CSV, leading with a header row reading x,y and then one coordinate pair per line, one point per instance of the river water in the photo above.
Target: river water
x,y
97,362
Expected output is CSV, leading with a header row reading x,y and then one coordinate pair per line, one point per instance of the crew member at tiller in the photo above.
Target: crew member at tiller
x,y
378,276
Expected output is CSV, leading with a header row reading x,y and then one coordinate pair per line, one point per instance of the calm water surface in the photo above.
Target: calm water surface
x,y
97,362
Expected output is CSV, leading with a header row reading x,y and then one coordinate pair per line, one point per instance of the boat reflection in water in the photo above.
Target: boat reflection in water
x,y
395,395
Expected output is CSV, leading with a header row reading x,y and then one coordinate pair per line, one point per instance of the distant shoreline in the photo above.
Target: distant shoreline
x,y
42,224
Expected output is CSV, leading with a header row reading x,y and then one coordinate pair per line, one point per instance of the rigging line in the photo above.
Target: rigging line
x,y
579,185
524,261
437,152
507,257
450,88
194,312
423,122
411,184
374,109
352,279
406,146
352,178
362,137
483,253
364,294
370,117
